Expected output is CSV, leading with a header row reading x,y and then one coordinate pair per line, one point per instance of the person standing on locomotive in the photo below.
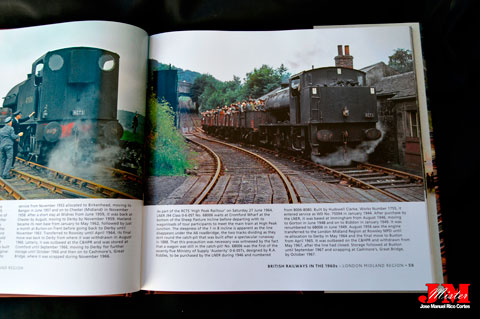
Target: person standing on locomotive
x,y
17,120
7,138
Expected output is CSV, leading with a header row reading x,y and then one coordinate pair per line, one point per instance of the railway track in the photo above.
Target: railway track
x,y
393,184
234,176
216,171
124,174
34,181
396,184
316,183
27,186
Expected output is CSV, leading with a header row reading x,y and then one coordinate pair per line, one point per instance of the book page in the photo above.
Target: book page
x,y
299,163
71,122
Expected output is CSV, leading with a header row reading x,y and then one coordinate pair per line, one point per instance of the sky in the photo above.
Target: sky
x,y
21,47
225,54
219,53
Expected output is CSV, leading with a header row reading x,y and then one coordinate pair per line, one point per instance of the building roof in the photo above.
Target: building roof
x,y
368,68
400,86
380,65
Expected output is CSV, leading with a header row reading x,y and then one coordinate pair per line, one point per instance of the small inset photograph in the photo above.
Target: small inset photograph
x,y
72,114
303,116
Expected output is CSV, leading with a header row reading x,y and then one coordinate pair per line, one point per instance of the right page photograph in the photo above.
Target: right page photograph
x,y
288,160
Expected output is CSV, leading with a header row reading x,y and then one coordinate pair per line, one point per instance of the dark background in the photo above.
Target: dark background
x,y
451,50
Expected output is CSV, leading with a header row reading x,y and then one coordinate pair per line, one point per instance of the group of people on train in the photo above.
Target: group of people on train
x,y
243,106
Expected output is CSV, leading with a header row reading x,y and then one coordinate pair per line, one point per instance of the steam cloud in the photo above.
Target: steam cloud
x,y
81,157
358,154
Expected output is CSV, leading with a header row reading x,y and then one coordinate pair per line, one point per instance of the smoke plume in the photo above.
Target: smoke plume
x,y
344,157
81,156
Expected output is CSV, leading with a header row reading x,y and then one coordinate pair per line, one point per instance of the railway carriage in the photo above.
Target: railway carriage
x,y
73,92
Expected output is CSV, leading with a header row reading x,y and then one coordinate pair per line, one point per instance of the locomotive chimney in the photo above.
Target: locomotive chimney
x,y
344,61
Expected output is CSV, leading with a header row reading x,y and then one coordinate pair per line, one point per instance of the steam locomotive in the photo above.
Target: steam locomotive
x,y
73,92
321,110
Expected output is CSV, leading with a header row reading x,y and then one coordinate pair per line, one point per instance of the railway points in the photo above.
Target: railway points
x,y
311,182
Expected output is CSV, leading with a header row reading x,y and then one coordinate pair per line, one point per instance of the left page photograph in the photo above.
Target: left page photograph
x,y
71,158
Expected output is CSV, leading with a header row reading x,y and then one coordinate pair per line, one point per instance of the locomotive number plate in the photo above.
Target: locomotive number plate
x,y
78,112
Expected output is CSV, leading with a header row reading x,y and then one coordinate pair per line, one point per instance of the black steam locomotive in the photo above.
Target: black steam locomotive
x,y
320,110
73,92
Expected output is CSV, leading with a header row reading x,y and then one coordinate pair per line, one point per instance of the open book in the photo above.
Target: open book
x,y
150,163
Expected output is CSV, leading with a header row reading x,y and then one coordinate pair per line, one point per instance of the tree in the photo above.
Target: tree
x,y
209,92
283,71
232,91
263,80
401,60
202,84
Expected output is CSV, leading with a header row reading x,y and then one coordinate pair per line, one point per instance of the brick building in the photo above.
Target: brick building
x,y
398,114
378,71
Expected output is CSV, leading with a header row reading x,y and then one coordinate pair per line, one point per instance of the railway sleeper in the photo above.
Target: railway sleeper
x,y
379,178
349,172
23,187
389,182
399,186
368,174
51,188
36,196
331,181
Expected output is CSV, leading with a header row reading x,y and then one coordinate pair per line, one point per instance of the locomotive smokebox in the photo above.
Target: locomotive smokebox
x,y
373,134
